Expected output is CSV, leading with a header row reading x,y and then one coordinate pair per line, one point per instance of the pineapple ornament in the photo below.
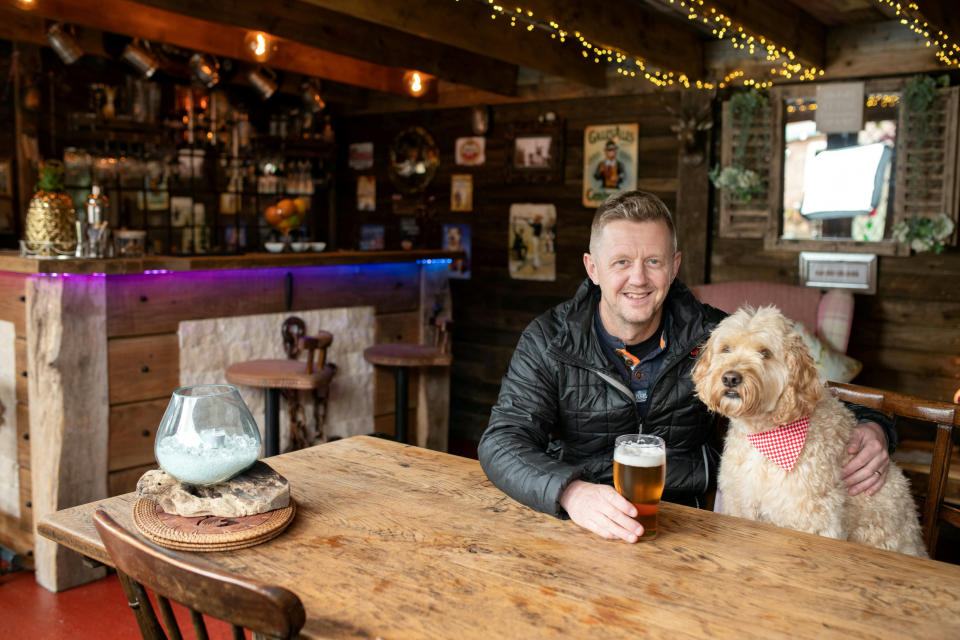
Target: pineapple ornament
x,y
51,224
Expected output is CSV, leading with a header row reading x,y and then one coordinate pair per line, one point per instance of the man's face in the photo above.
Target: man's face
x,y
611,153
634,264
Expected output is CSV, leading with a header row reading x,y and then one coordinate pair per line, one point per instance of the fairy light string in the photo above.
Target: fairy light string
x,y
786,64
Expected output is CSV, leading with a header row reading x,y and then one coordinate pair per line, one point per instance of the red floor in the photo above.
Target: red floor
x,y
94,611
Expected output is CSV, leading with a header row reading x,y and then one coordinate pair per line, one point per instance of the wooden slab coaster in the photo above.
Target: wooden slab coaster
x,y
208,533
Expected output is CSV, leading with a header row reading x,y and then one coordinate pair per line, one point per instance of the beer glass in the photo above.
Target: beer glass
x,y
639,471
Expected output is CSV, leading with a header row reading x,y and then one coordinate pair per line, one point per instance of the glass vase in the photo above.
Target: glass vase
x,y
207,435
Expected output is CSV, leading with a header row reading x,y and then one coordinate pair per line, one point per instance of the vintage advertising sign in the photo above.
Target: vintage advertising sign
x,y
532,242
610,161
360,156
470,152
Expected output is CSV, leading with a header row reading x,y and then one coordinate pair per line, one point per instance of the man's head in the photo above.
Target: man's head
x,y
611,149
633,259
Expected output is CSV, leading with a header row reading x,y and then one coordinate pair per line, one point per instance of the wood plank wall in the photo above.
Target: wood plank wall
x,y
491,309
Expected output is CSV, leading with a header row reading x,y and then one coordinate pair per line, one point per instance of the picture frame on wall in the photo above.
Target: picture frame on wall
x,y
609,161
535,152
461,192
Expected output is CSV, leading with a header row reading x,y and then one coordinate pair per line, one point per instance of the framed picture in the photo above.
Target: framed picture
x,y
532,242
5,187
360,156
371,237
535,152
461,192
609,161
456,237
366,193
470,152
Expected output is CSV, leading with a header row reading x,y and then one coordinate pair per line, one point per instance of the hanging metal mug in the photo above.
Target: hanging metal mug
x,y
264,80
64,44
140,59
206,69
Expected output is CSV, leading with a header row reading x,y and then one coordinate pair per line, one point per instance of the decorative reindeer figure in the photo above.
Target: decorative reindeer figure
x,y
693,118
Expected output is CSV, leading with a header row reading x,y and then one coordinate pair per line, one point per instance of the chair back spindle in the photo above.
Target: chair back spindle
x,y
264,609
946,417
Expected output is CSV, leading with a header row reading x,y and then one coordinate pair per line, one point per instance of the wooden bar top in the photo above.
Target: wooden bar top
x,y
395,541
11,261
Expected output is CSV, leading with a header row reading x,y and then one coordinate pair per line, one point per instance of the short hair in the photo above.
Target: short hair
x,y
636,206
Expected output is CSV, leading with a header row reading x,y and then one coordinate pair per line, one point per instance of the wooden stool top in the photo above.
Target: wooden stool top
x,y
405,354
278,374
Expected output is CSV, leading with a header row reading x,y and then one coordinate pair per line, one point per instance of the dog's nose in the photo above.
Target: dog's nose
x,y
731,379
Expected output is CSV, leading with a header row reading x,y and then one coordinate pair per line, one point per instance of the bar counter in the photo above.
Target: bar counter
x,y
91,349
11,261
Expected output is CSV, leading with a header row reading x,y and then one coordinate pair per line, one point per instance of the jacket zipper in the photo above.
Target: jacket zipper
x,y
613,382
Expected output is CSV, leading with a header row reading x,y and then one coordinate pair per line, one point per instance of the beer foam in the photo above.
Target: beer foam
x,y
639,455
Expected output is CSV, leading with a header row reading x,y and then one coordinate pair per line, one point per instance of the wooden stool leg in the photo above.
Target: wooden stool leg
x,y
402,405
271,420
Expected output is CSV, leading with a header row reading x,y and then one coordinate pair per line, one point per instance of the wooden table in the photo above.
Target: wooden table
x,y
396,541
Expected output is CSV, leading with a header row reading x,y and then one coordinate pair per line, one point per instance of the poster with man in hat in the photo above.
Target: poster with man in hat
x,y
610,161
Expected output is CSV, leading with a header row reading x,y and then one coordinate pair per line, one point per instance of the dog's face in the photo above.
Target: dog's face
x,y
754,369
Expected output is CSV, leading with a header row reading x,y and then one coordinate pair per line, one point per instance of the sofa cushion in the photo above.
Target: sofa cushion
x,y
832,365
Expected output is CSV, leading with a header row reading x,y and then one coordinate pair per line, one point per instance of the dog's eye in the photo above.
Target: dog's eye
x,y
725,349
765,354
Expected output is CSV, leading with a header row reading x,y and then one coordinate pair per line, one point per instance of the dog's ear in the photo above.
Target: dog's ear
x,y
804,390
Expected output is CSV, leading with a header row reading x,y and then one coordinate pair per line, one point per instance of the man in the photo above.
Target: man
x,y
610,171
616,359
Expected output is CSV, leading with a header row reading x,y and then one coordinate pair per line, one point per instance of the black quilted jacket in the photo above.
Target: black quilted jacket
x,y
563,403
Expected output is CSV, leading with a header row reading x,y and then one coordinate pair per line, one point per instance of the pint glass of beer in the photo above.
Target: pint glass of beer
x,y
639,470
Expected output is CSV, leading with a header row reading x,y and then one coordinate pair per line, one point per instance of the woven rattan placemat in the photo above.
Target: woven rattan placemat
x,y
209,533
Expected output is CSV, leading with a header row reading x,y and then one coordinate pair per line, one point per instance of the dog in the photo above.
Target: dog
x,y
754,370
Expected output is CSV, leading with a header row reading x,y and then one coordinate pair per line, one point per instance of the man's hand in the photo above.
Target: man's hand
x,y
867,470
600,509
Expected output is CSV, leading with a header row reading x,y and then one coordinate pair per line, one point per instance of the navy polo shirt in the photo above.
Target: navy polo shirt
x,y
638,364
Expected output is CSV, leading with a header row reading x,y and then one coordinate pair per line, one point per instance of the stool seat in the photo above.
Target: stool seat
x,y
278,374
405,354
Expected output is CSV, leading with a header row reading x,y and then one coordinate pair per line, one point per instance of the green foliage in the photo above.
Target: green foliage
x,y
919,94
739,181
51,176
745,108
924,234
742,184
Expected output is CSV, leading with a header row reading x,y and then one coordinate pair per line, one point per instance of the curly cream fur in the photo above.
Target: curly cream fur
x,y
779,385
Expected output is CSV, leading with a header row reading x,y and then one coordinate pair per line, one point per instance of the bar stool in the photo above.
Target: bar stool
x,y
404,355
277,375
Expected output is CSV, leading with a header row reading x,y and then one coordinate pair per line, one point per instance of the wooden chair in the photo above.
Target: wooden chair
x,y
267,610
403,355
275,376
946,416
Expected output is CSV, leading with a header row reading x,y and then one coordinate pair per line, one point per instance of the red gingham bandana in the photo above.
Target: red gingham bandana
x,y
783,444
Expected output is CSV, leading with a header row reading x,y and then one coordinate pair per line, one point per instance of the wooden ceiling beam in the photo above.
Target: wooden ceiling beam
x,y
784,23
630,28
468,25
338,33
130,19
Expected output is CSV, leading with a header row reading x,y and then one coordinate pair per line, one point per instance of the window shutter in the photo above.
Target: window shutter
x,y
927,163
749,219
